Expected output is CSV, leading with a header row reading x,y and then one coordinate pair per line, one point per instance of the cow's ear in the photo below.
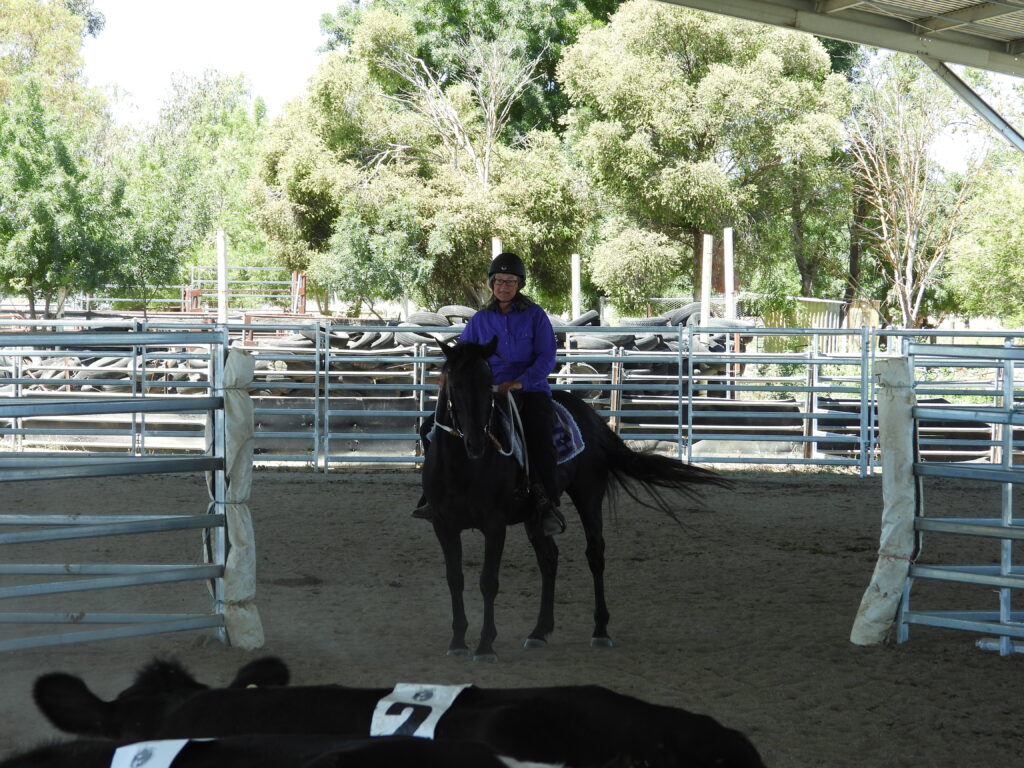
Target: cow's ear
x,y
68,703
491,346
261,673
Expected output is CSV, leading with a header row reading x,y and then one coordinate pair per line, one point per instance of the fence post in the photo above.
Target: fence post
x,y
615,396
232,438
575,298
881,599
222,276
730,278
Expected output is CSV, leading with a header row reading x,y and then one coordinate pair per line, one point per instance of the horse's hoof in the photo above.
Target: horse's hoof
x,y
490,658
458,653
601,642
535,642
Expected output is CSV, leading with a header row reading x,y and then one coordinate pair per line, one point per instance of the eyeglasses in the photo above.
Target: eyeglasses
x,y
506,281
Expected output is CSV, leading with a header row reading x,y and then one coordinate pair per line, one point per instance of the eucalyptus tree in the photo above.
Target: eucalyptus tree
x,y
915,206
986,267
441,28
384,141
43,39
630,265
58,214
213,125
184,177
95,21
687,120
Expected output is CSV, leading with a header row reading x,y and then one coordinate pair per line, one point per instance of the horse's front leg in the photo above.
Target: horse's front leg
x,y
547,560
451,546
494,546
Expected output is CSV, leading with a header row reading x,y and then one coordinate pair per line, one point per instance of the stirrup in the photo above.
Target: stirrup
x,y
552,522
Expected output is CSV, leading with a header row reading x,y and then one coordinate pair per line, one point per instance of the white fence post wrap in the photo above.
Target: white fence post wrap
x,y
241,618
878,607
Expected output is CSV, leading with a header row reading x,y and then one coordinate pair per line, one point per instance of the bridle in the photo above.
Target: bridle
x,y
455,430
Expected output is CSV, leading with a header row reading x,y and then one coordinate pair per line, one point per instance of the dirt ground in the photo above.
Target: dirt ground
x,y
742,612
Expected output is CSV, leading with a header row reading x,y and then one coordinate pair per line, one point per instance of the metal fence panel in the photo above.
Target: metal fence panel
x,y
337,394
43,388
1000,422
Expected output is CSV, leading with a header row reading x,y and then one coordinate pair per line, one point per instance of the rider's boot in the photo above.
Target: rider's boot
x,y
552,521
423,510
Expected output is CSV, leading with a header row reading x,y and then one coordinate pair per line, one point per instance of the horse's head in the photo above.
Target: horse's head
x,y
466,386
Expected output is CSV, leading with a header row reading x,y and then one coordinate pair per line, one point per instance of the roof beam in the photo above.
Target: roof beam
x,y
978,104
869,29
834,6
965,16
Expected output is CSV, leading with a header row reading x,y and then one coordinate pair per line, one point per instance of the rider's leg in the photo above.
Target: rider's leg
x,y
423,510
538,416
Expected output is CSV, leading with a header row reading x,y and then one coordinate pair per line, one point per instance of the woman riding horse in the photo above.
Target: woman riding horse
x,y
524,357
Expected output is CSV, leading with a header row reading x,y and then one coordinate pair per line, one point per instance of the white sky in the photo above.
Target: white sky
x,y
273,42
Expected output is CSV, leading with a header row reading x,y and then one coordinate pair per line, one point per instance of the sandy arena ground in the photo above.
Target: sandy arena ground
x,y
742,612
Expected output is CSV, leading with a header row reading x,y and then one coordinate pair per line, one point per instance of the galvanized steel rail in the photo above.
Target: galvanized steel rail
x,y
23,406
759,396
1006,419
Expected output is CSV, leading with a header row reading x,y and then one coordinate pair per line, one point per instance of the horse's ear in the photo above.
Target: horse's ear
x,y
491,346
446,348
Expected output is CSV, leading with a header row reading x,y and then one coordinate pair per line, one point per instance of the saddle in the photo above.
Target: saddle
x,y
566,436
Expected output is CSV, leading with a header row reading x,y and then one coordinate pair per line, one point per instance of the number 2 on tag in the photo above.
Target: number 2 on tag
x,y
418,713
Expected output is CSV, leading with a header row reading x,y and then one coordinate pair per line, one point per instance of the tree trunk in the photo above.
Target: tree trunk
x,y
860,212
804,263
62,297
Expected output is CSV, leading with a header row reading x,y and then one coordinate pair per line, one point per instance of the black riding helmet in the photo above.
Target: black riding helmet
x,y
507,264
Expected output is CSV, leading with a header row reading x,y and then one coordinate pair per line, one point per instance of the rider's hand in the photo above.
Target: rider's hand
x,y
508,386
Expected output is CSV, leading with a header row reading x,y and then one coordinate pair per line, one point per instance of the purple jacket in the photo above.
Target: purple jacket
x,y
526,344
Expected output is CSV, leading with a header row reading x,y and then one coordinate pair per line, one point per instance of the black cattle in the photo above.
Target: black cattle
x,y
270,751
581,726
139,710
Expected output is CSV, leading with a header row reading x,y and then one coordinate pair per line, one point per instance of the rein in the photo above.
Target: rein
x,y
454,429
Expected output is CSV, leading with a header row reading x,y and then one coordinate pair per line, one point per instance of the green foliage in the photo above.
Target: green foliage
x,y
42,39
545,207
357,161
846,57
94,20
210,128
57,214
538,28
915,206
987,265
630,265
730,110
376,251
185,178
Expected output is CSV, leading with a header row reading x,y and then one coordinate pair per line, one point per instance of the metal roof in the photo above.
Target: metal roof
x,y
986,35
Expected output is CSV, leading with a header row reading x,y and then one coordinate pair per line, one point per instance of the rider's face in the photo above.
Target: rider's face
x,y
505,287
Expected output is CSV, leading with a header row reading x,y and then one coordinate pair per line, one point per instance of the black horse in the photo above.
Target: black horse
x,y
472,481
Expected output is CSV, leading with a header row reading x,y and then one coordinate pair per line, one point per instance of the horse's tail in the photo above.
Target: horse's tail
x,y
631,470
